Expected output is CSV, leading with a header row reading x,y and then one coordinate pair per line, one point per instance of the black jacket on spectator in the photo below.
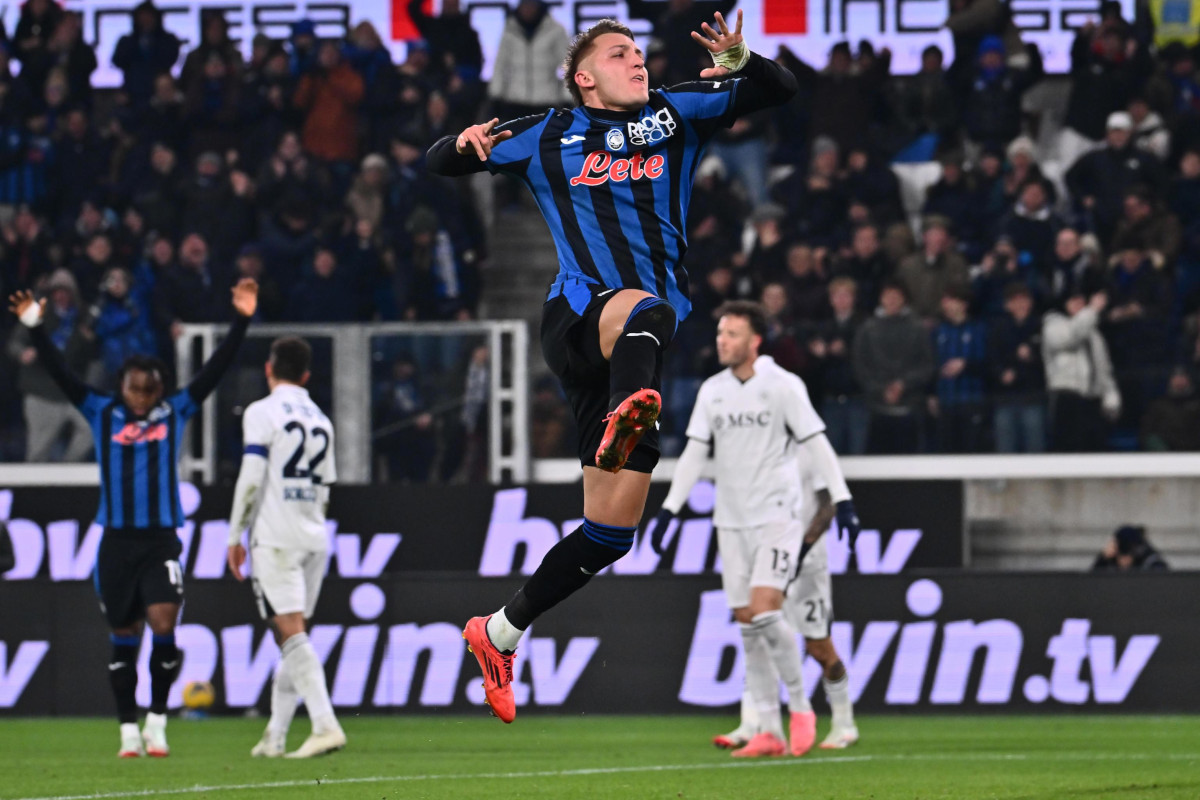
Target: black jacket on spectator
x,y
1183,198
83,165
846,102
992,104
835,373
868,274
895,348
189,296
1106,174
317,299
1100,86
1060,279
1032,233
145,55
448,34
878,188
1005,338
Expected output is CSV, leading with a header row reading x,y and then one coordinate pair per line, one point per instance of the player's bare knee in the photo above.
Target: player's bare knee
x,y
764,600
287,626
161,617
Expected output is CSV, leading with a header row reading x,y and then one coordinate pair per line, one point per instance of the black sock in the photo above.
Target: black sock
x,y
637,354
567,567
164,669
122,675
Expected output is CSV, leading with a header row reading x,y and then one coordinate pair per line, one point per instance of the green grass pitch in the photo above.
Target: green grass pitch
x,y
1088,757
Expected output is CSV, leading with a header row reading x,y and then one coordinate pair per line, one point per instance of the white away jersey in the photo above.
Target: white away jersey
x,y
294,435
753,428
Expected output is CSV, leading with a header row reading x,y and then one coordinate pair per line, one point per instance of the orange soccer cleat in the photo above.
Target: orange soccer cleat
x,y
763,744
497,669
626,425
803,731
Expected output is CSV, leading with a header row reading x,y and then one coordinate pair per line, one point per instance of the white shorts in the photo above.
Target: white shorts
x,y
286,581
764,555
809,602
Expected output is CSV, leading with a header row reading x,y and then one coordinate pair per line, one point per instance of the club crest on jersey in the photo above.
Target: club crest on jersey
x,y
600,167
652,128
615,139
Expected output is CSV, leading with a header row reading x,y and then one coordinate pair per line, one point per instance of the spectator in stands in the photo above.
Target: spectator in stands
x,y
120,323
453,43
160,118
1172,422
404,428
1099,180
986,185
893,362
999,267
845,96
1022,168
1148,227
325,295
1129,551
1150,132
145,53
1183,196
302,48
923,110
215,57
1107,69
1033,226
1073,269
991,97
972,21
1017,374
368,192
31,39
26,251
525,76
155,193
743,149
716,215
187,290
866,264
1079,375
927,274
1135,327
837,392
365,51
249,264
768,255
440,281
958,403
869,182
330,95
83,159
288,177
815,200
69,53
92,266
806,283
48,414
780,341
217,206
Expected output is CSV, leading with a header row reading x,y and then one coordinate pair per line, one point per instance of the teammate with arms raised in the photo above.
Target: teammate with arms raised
x,y
281,496
613,179
753,415
138,577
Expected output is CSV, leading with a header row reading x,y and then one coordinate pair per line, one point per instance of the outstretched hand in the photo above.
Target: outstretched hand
x,y
245,297
20,302
481,139
718,41
236,558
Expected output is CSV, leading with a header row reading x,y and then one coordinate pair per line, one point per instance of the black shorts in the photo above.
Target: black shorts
x,y
571,346
135,570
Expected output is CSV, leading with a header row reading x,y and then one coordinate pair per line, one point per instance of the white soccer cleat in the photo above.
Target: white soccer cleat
x,y
269,747
840,738
131,741
154,734
733,740
318,744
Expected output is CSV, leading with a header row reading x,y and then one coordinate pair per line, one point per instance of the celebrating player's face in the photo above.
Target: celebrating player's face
x,y
141,391
616,69
737,342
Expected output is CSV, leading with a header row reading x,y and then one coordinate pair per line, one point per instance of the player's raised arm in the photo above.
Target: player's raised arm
x,y
31,313
245,303
468,152
764,83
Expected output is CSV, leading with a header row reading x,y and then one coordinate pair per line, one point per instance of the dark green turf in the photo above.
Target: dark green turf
x,y
1075,758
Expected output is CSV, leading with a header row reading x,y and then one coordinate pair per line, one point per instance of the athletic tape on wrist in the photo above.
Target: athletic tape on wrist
x,y
734,58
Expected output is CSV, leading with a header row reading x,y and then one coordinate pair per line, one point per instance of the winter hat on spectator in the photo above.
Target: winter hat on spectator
x,y
1129,537
61,279
991,44
937,221
1021,144
249,250
304,27
768,212
1119,120
422,220
823,145
374,161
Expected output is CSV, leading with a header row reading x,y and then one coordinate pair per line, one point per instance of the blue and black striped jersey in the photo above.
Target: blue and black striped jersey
x,y
138,457
614,186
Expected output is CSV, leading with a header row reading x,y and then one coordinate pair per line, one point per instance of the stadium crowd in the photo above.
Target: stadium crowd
x,y
1032,309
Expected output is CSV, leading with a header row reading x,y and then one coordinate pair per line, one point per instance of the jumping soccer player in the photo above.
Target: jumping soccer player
x,y
281,495
751,415
613,178
138,436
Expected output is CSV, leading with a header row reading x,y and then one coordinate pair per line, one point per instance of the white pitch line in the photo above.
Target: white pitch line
x,y
566,773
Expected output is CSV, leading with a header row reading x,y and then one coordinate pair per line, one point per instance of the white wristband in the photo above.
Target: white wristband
x,y
31,317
